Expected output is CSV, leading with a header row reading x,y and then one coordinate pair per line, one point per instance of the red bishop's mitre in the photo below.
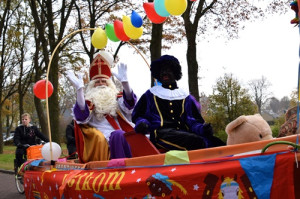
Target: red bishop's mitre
x,y
100,67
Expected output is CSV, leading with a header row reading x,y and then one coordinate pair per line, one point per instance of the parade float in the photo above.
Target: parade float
x,y
264,169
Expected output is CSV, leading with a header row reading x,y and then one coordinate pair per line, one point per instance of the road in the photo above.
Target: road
x,y
8,188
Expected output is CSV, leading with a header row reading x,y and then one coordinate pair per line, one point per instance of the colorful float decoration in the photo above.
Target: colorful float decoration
x,y
158,11
128,28
39,89
131,27
249,170
207,173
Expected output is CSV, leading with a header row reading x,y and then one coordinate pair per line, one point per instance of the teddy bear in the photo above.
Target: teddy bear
x,y
248,128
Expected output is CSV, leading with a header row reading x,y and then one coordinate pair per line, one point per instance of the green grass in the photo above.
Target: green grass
x,y
7,161
8,156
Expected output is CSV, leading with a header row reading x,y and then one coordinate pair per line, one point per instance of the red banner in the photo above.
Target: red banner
x,y
221,178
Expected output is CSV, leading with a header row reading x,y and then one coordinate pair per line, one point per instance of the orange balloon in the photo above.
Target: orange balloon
x,y
119,30
39,89
152,15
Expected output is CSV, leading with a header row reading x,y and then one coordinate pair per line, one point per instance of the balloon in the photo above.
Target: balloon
x,y
110,32
39,89
152,15
130,30
99,38
56,151
119,30
176,7
159,6
136,19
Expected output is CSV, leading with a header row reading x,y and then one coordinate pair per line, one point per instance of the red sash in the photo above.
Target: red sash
x,y
125,126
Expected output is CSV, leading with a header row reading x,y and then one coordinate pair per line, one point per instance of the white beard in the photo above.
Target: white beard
x,y
104,99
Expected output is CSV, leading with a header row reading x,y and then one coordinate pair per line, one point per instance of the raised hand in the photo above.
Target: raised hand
x,y
122,72
76,81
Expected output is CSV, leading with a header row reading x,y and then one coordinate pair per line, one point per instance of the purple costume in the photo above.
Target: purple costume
x,y
174,120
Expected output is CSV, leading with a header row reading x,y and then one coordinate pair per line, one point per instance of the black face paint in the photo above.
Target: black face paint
x,y
166,75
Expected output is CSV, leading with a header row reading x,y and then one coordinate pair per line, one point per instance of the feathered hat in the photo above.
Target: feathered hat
x,y
100,66
166,60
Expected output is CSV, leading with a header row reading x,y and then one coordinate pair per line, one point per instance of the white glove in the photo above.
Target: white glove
x,y
77,82
122,72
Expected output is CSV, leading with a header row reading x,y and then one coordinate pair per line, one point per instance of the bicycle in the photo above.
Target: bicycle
x,y
18,175
32,152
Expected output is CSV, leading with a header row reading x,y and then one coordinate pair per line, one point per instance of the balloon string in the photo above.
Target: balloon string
x,y
48,69
142,57
138,52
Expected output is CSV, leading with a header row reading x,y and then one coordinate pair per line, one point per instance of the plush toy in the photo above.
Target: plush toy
x,y
248,128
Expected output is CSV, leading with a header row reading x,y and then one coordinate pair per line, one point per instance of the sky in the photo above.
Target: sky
x,y
268,48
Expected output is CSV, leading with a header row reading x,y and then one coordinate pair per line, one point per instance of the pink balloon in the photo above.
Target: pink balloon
x,y
119,30
152,15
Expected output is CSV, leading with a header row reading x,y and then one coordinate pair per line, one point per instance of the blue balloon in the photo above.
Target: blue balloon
x,y
160,9
136,19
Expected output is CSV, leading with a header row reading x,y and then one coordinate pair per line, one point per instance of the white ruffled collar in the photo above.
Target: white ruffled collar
x,y
167,94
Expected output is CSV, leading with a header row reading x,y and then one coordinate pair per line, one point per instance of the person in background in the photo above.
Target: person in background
x,y
26,135
71,144
102,112
171,115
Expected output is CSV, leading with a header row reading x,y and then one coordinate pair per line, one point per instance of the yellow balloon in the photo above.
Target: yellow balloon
x,y
130,30
176,7
99,38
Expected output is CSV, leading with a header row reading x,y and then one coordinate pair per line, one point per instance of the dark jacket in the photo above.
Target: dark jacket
x,y
28,135
70,135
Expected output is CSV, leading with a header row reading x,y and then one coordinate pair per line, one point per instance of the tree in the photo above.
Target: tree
x,y
202,17
6,112
285,103
278,107
5,15
273,105
204,102
24,34
7,64
51,19
294,98
228,101
259,89
92,14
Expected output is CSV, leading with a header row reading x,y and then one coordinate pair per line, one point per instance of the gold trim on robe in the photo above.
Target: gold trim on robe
x,y
96,147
